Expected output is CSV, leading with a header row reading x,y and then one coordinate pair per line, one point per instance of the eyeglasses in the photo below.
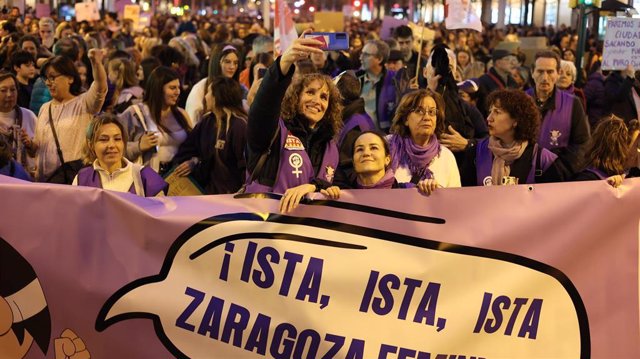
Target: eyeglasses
x,y
367,54
425,111
51,78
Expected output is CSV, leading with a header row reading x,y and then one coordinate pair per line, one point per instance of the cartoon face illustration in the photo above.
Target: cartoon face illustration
x,y
24,315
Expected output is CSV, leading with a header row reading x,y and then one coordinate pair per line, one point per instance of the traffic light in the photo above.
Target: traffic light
x,y
589,3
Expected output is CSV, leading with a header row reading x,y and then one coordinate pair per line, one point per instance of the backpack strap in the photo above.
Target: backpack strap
x,y
536,152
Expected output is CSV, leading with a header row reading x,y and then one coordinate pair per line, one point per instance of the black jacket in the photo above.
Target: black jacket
x,y
263,125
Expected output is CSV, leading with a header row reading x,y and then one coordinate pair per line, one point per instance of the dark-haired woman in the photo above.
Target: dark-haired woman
x,y
157,126
613,150
69,112
16,123
214,151
510,155
223,63
292,126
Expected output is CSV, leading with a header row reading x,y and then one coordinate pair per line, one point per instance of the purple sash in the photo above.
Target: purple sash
x,y
295,166
387,101
361,120
484,162
151,181
555,129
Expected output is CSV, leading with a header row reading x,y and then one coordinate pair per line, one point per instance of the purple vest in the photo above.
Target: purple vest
x,y
295,168
555,129
151,181
601,174
361,120
484,162
386,103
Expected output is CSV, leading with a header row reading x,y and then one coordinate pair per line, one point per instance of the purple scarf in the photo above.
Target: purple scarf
x,y
385,182
406,152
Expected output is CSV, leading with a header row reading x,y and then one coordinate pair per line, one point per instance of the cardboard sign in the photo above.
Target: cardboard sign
x,y
132,12
87,11
621,44
328,21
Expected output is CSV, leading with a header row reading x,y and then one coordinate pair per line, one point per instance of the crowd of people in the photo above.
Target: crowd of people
x,y
105,105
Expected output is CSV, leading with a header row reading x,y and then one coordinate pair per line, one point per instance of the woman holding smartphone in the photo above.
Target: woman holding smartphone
x,y
290,147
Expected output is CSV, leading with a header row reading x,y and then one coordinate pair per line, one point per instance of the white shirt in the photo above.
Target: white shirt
x,y
194,105
120,181
444,168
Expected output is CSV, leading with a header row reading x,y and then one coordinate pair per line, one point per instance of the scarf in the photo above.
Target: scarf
x,y
503,158
385,182
406,152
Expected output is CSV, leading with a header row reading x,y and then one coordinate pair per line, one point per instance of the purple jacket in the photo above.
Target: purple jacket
x,y
151,181
295,168
484,162
555,129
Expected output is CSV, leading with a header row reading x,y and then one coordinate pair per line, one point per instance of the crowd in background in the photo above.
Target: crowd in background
x,y
103,104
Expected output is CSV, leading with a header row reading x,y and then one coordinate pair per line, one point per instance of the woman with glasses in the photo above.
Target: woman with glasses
x,y
61,123
224,63
157,126
613,150
416,154
510,155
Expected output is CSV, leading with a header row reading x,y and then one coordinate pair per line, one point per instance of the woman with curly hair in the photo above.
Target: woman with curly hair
x,y
291,130
510,155
416,153
613,150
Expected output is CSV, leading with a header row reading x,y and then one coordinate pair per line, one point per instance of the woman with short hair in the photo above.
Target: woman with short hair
x,y
61,123
510,155
107,166
417,155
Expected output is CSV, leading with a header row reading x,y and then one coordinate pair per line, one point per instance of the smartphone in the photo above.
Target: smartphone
x,y
331,41
261,72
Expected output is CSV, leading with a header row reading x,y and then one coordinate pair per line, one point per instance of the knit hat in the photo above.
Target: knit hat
x,y
395,55
498,54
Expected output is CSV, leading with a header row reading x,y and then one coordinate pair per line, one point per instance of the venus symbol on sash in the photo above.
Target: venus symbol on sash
x,y
295,160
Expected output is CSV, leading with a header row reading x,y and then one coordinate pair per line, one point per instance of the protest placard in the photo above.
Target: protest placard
x,y
87,11
328,21
621,44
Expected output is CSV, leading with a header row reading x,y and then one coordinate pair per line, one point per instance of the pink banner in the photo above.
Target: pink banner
x,y
545,271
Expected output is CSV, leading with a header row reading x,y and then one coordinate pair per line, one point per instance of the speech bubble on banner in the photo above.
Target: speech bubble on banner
x,y
247,286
